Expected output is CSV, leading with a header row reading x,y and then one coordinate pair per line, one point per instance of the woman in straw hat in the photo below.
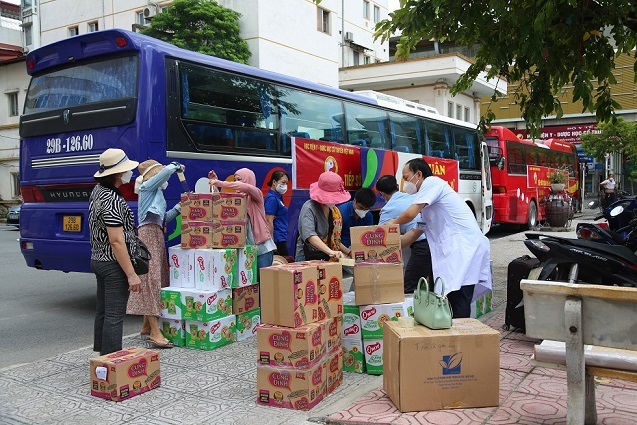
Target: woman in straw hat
x,y
152,218
320,222
111,228
258,233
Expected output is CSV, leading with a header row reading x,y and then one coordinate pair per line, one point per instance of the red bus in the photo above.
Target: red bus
x,y
520,168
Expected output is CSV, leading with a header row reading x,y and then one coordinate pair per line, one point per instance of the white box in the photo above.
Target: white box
x,y
247,266
374,316
214,269
351,328
181,262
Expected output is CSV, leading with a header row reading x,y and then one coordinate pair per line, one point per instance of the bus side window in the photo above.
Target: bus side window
x,y
405,133
437,137
365,124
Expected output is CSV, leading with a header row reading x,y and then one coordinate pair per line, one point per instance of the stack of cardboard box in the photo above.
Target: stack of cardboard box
x,y
300,360
213,298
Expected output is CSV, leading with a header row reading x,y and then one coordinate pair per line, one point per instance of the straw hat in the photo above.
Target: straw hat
x,y
149,168
329,189
279,260
113,161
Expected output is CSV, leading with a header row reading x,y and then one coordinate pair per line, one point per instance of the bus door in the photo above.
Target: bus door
x,y
487,190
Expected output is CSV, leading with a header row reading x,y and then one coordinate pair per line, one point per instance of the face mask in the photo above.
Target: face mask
x,y
330,206
125,178
409,187
282,188
361,213
164,186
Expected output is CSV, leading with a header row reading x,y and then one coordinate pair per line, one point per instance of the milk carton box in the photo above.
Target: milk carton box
x,y
247,324
211,335
215,269
373,318
205,306
171,300
351,328
174,330
353,355
181,262
373,356
246,266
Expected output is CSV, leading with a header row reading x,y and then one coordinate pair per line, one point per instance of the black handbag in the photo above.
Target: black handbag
x,y
139,256
312,253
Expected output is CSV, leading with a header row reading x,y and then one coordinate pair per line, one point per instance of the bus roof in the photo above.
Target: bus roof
x,y
98,43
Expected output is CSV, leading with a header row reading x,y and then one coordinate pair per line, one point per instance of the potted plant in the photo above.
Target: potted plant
x,y
558,179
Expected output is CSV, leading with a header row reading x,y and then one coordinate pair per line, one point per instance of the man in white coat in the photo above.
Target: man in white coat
x,y
460,253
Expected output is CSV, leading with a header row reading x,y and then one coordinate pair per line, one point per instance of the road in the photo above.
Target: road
x,y
43,313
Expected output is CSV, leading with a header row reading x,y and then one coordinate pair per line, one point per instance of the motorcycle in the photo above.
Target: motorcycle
x,y
583,261
620,227
600,202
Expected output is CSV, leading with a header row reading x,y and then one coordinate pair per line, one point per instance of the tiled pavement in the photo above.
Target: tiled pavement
x,y
528,395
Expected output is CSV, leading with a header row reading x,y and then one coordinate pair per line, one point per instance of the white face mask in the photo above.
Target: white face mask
x,y
361,213
282,188
409,187
164,186
125,178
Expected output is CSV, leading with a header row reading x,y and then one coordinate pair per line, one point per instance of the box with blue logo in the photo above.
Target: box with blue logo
x,y
455,368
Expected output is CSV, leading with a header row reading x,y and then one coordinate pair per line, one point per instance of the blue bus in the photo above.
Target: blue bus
x,y
117,88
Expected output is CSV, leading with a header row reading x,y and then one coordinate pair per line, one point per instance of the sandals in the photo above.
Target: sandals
x,y
159,344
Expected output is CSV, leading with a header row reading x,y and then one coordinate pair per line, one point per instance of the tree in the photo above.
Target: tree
x,y
544,44
202,26
618,136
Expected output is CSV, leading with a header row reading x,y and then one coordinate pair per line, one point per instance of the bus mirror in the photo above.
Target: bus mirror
x,y
501,163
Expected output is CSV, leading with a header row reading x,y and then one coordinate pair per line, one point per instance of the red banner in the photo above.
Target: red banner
x,y
568,133
310,158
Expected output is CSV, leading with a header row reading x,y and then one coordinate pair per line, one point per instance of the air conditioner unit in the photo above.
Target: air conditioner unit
x,y
349,36
149,12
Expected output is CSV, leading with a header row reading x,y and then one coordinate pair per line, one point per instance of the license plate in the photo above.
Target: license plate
x,y
72,223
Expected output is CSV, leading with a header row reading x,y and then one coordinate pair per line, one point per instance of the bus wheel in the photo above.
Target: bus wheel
x,y
531,220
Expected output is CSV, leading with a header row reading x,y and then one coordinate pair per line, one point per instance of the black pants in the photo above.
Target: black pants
x,y
609,198
282,248
460,301
112,297
419,265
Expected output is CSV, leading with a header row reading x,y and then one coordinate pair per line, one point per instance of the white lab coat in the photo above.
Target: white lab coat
x,y
460,253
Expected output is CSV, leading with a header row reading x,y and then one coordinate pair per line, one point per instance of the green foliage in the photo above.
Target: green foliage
x,y
202,26
558,176
544,44
618,136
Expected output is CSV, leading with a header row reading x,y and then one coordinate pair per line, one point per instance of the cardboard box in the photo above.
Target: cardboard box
x,y
196,206
334,370
181,262
330,287
298,348
351,328
215,269
247,266
378,283
292,389
373,350
373,317
228,234
247,324
196,234
353,355
376,244
174,330
211,335
332,328
229,206
124,374
289,295
171,301
245,299
205,306
455,368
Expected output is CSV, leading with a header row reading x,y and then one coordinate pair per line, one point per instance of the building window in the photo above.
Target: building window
x,y
368,60
450,109
15,185
139,18
73,31
377,60
323,20
357,58
28,35
467,114
13,104
92,26
459,112
365,9
376,14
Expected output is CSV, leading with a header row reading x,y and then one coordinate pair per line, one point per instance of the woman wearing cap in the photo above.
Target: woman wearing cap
x,y
152,218
320,222
112,229
276,212
258,233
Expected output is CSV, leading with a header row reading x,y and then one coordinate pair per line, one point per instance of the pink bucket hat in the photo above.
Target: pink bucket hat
x,y
329,189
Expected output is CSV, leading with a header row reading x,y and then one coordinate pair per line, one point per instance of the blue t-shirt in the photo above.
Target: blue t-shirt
x,y
350,219
396,205
274,206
